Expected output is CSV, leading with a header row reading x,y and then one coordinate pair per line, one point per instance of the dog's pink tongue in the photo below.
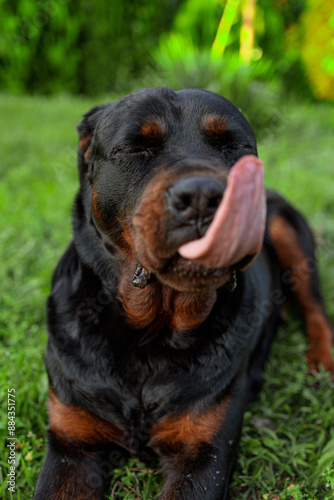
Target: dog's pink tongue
x,y
238,226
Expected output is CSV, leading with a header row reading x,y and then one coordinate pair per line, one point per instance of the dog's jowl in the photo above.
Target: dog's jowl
x,y
164,305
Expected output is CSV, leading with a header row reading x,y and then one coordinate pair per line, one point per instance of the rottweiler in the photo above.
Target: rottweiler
x,y
164,305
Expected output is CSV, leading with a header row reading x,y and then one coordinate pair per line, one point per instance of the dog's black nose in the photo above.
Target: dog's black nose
x,y
195,198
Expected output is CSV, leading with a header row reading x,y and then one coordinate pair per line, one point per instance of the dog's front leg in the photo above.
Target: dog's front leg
x,y
206,478
198,448
70,473
82,451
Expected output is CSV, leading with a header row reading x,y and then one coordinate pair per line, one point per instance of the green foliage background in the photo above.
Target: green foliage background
x,y
79,46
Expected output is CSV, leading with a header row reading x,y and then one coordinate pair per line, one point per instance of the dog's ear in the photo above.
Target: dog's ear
x,y
86,130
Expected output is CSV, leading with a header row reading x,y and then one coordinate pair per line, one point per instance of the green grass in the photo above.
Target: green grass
x,y
38,180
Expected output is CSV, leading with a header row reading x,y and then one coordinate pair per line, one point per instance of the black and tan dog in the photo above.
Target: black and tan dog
x,y
164,306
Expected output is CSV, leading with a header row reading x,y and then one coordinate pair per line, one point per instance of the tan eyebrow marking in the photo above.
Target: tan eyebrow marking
x,y
214,125
153,129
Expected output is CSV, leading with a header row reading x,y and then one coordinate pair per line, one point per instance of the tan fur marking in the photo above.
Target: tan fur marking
x,y
75,423
156,306
152,129
142,306
215,126
95,206
298,275
190,310
84,142
85,146
87,154
189,430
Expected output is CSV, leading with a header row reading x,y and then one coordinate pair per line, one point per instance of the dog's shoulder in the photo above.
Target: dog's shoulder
x,y
68,265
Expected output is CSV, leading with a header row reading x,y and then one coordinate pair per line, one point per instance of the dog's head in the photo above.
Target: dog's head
x,y
156,165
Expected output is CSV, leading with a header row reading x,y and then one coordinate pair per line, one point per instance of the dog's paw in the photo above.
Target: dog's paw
x,y
317,357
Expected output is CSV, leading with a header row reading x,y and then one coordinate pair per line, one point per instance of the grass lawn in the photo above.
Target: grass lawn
x,y
294,459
